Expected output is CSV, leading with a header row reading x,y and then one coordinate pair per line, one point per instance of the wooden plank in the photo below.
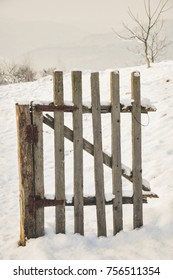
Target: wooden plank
x,y
37,121
87,201
78,152
136,151
59,151
98,155
116,153
53,107
25,162
91,201
89,148
123,109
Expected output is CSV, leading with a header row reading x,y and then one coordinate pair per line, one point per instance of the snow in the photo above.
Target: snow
x,y
146,102
155,239
109,196
146,184
126,169
137,74
41,102
126,102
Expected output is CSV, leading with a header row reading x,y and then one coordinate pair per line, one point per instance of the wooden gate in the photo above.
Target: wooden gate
x,y
30,119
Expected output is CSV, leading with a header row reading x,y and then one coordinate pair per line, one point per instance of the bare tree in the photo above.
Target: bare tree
x,y
157,43
148,33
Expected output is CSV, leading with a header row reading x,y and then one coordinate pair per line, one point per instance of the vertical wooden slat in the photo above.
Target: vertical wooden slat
x,y
59,151
27,219
116,153
136,151
98,155
78,152
37,120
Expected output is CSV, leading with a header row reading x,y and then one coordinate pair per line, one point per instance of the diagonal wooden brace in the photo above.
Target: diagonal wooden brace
x,y
88,147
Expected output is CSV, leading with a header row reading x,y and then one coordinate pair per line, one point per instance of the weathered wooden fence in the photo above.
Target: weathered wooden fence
x,y
30,119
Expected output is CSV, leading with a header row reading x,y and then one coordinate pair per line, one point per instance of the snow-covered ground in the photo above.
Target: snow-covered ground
x,y
155,239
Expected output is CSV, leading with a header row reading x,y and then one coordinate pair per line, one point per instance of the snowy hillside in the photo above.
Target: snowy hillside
x,y
155,239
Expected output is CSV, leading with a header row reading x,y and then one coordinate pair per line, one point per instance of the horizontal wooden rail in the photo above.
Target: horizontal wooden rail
x,y
87,109
54,108
35,204
123,109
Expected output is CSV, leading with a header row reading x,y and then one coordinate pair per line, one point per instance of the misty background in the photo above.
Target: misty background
x,y
74,34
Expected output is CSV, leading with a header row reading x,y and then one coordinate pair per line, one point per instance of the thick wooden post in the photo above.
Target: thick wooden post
x,y
59,152
37,136
116,153
78,152
98,155
136,151
26,176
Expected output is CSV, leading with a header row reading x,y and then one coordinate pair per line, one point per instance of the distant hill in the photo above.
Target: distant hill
x,y
50,44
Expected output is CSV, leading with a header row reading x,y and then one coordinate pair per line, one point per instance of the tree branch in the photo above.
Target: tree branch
x,y
149,33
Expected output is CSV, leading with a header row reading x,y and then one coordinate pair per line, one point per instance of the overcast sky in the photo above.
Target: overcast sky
x,y
28,25
103,13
